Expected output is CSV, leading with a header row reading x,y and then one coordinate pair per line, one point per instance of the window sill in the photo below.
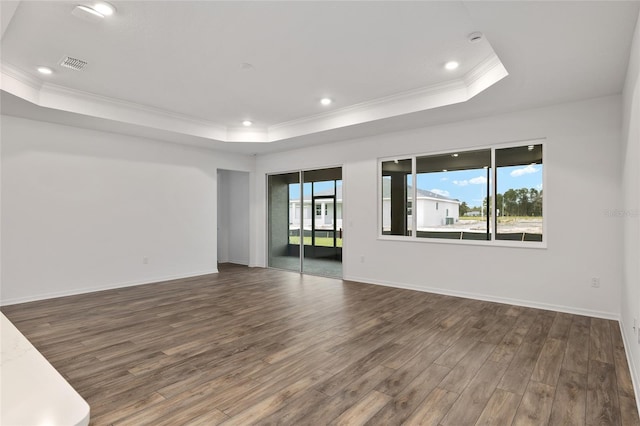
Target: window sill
x,y
494,243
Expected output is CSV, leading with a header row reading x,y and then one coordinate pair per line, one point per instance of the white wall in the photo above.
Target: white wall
x,y
82,208
582,163
233,216
630,209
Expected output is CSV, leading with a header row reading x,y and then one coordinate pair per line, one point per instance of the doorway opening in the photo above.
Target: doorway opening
x,y
233,217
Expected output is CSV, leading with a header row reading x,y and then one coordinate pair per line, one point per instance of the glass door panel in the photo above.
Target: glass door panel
x,y
284,224
322,253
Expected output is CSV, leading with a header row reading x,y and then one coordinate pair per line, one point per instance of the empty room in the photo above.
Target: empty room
x,y
320,213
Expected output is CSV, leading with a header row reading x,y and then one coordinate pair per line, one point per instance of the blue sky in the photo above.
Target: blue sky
x,y
465,185
471,185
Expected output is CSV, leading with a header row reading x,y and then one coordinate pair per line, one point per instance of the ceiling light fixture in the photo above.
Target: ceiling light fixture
x,y
451,65
530,147
45,70
89,10
326,101
444,170
454,155
247,123
104,8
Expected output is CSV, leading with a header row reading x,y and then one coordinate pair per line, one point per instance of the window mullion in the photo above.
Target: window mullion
x,y
414,203
494,217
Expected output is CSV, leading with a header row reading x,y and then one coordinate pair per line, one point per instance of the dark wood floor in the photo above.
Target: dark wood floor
x,y
256,346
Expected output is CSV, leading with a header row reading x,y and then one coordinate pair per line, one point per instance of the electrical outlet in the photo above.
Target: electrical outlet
x,y
595,282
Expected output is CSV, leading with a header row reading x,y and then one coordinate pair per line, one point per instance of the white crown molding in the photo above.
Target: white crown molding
x,y
20,84
484,75
53,96
377,109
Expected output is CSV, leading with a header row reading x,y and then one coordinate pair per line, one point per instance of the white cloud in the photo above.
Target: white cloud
x,y
474,181
539,187
478,180
440,192
443,179
524,171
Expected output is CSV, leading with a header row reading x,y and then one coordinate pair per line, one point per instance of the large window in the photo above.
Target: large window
x,y
492,194
518,197
446,186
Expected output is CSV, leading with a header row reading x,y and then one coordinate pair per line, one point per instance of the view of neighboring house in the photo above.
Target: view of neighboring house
x,y
432,209
435,210
323,211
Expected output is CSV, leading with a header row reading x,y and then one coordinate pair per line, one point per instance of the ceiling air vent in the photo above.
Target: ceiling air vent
x,y
73,63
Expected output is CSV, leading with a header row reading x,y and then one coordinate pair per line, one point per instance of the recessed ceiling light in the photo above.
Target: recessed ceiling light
x,y
444,170
45,70
451,65
530,147
247,123
87,10
326,101
104,8
454,155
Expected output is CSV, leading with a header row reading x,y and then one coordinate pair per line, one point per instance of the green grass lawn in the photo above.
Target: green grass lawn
x,y
320,242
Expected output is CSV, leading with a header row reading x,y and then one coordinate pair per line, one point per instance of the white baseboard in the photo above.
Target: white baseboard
x,y
84,290
633,368
479,296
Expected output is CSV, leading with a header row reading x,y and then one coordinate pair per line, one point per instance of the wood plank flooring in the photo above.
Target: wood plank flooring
x,y
256,346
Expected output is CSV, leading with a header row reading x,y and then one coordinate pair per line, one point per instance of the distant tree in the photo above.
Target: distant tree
x,y
535,198
510,198
500,204
523,201
516,202
464,209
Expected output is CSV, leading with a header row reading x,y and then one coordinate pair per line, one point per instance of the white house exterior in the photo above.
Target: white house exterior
x,y
323,214
432,210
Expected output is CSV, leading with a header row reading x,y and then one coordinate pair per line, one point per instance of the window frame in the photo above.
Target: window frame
x,y
493,242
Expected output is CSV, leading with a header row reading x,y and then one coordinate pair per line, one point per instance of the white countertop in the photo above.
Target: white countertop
x,y
32,392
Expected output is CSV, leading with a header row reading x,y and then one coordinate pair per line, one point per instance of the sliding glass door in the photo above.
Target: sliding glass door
x,y
305,221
